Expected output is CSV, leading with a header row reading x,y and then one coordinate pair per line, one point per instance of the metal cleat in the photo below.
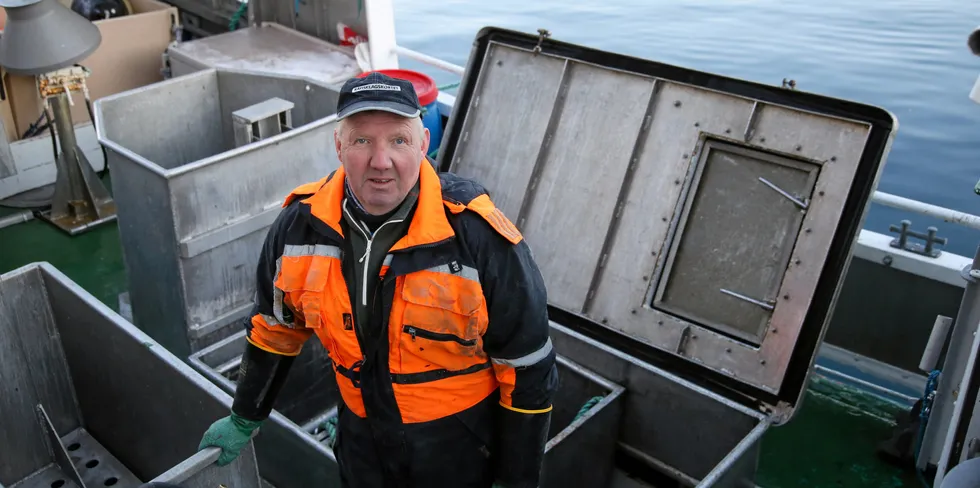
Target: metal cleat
x,y
904,232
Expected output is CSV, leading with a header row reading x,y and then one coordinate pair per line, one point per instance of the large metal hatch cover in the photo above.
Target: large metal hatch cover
x,y
704,217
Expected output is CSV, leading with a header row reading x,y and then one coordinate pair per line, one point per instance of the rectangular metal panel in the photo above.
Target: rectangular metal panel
x,y
581,176
188,107
734,239
607,195
147,241
33,371
513,83
680,425
192,261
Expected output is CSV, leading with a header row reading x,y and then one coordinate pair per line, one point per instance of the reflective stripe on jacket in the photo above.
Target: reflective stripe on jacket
x,y
460,301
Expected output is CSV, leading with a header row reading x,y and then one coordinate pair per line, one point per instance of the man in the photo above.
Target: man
x,y
426,298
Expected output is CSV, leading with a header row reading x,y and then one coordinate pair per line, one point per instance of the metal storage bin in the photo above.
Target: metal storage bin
x,y
581,441
200,166
692,229
269,48
89,400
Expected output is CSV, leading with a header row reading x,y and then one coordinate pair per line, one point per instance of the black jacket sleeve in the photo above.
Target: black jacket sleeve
x,y
274,334
517,341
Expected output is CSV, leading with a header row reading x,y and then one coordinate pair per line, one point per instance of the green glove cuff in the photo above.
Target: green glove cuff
x,y
231,434
245,426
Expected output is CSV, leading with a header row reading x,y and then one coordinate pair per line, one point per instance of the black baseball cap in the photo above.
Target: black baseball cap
x,y
378,91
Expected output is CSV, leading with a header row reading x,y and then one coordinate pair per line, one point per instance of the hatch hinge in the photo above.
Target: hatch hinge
x,y
789,84
542,35
904,232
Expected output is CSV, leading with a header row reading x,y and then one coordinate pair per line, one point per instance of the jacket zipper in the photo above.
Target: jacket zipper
x,y
436,336
366,258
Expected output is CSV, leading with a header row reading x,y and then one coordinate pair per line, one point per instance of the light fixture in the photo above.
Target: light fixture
x,y
45,39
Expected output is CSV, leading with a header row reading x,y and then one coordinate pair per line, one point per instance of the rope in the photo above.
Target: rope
x,y
588,406
449,86
928,396
330,426
237,16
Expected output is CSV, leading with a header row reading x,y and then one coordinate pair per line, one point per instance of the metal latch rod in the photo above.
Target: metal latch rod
x,y
801,204
767,306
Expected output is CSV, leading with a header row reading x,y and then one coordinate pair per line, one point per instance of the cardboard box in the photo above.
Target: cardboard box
x,y
130,56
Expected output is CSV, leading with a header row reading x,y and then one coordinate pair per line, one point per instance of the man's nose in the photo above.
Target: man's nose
x,y
380,159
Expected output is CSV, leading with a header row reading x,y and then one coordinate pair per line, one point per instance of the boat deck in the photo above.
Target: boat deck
x,y
830,443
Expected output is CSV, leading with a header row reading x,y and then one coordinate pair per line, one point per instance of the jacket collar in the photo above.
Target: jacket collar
x,y
429,223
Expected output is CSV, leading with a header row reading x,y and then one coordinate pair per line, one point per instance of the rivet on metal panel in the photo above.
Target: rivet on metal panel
x,y
645,278
728,350
833,158
677,103
821,193
785,297
605,320
808,231
728,131
685,156
677,182
887,260
697,124
775,331
798,262
500,63
633,311
762,362
664,219
660,322
762,139
799,147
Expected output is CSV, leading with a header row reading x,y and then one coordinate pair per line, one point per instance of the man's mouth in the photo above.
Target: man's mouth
x,y
380,181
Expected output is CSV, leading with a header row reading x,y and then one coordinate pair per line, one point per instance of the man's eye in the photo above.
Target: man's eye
x,y
401,140
360,140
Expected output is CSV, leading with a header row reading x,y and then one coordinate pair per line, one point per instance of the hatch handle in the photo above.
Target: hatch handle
x,y
801,203
765,305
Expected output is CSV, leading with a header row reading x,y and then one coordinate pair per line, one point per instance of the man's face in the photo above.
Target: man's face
x,y
381,153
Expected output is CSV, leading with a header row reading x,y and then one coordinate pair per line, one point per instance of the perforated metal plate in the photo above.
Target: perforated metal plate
x,y
702,216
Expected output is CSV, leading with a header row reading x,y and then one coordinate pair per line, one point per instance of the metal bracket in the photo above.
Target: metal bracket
x,y
800,203
542,34
901,242
766,305
788,83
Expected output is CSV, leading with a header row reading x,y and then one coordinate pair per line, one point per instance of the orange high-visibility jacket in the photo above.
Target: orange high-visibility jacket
x,y
460,300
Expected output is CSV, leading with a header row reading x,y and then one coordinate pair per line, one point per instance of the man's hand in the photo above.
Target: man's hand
x,y
231,434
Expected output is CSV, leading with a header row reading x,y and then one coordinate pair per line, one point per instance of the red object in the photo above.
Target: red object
x,y
425,87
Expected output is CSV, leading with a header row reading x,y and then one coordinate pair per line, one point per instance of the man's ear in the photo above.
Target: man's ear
x,y
425,141
336,139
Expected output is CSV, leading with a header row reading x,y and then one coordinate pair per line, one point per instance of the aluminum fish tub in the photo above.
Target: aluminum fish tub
x,y
89,400
693,231
200,166
580,447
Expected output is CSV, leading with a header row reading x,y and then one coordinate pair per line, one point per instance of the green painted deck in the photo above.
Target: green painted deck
x,y
830,443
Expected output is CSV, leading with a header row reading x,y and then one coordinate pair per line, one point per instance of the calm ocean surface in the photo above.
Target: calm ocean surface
x,y
907,57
